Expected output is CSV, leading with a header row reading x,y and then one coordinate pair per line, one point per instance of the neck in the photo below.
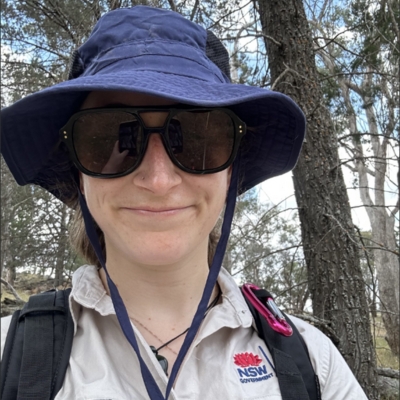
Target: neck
x,y
161,300
163,292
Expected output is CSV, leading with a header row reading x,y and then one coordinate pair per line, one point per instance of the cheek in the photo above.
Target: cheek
x,y
96,194
217,192
90,186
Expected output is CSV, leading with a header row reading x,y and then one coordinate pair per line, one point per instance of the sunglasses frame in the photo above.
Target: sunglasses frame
x,y
66,135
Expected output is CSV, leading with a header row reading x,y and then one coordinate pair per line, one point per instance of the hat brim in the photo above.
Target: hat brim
x,y
30,127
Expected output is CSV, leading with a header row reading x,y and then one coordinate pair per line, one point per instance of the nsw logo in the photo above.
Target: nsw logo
x,y
251,368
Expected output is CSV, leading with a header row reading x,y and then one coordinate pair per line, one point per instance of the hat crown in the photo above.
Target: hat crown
x,y
144,23
148,36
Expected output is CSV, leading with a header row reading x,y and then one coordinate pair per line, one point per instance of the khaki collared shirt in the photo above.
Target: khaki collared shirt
x,y
103,366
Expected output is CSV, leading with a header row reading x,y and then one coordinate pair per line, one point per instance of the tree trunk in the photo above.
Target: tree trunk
x,y
330,246
7,270
382,224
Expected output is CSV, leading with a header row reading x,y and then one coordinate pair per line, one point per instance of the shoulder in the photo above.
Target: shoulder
x,y
5,325
88,291
320,348
336,379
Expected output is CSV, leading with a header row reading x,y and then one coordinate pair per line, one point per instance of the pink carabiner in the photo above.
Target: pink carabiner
x,y
277,324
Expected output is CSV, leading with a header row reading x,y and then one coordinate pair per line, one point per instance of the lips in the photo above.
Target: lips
x,y
158,209
146,210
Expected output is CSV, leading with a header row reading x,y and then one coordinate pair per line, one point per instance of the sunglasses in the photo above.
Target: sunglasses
x,y
111,142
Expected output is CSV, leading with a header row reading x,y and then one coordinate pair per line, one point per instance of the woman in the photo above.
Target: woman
x,y
155,145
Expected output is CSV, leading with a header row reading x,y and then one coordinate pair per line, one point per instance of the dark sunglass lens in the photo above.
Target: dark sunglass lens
x,y
175,136
207,138
107,142
128,137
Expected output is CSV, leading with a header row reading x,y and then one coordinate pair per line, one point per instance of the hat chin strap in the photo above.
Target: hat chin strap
x,y
151,386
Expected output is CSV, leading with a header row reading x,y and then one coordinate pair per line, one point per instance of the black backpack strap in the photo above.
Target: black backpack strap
x,y
296,376
11,360
37,348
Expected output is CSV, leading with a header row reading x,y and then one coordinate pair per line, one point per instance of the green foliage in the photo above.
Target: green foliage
x,y
265,249
39,37
366,56
34,228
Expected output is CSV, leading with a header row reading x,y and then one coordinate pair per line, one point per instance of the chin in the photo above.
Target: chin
x,y
160,258
158,249
185,256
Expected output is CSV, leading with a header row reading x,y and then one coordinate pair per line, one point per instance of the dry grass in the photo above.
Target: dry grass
x,y
26,285
6,295
385,358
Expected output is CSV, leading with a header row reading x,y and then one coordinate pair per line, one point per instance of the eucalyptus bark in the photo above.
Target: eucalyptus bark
x,y
330,246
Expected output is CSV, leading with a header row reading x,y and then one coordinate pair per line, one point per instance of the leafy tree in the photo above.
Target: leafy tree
x,y
34,232
358,50
265,249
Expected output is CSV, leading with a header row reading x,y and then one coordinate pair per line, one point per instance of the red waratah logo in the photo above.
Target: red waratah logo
x,y
247,360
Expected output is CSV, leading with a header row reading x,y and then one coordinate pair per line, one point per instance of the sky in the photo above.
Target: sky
x,y
280,189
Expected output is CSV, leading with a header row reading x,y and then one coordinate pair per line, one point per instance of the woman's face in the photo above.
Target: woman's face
x,y
158,214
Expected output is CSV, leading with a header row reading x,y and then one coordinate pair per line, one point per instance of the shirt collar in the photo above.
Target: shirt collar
x,y
88,291
232,294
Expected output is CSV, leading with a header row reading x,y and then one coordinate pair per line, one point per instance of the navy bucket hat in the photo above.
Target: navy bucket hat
x,y
156,52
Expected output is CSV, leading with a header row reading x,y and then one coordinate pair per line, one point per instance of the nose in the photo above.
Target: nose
x,y
156,172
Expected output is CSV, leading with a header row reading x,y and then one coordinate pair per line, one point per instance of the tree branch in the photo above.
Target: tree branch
x,y
172,5
269,38
48,50
228,14
14,292
389,372
351,135
194,10
322,324
282,74
353,73
384,249
342,228
396,208
328,41
318,26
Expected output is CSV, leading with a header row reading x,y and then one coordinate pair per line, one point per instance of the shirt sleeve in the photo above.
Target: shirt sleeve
x,y
335,377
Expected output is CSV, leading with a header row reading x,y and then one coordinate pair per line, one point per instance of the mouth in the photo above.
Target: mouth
x,y
154,211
